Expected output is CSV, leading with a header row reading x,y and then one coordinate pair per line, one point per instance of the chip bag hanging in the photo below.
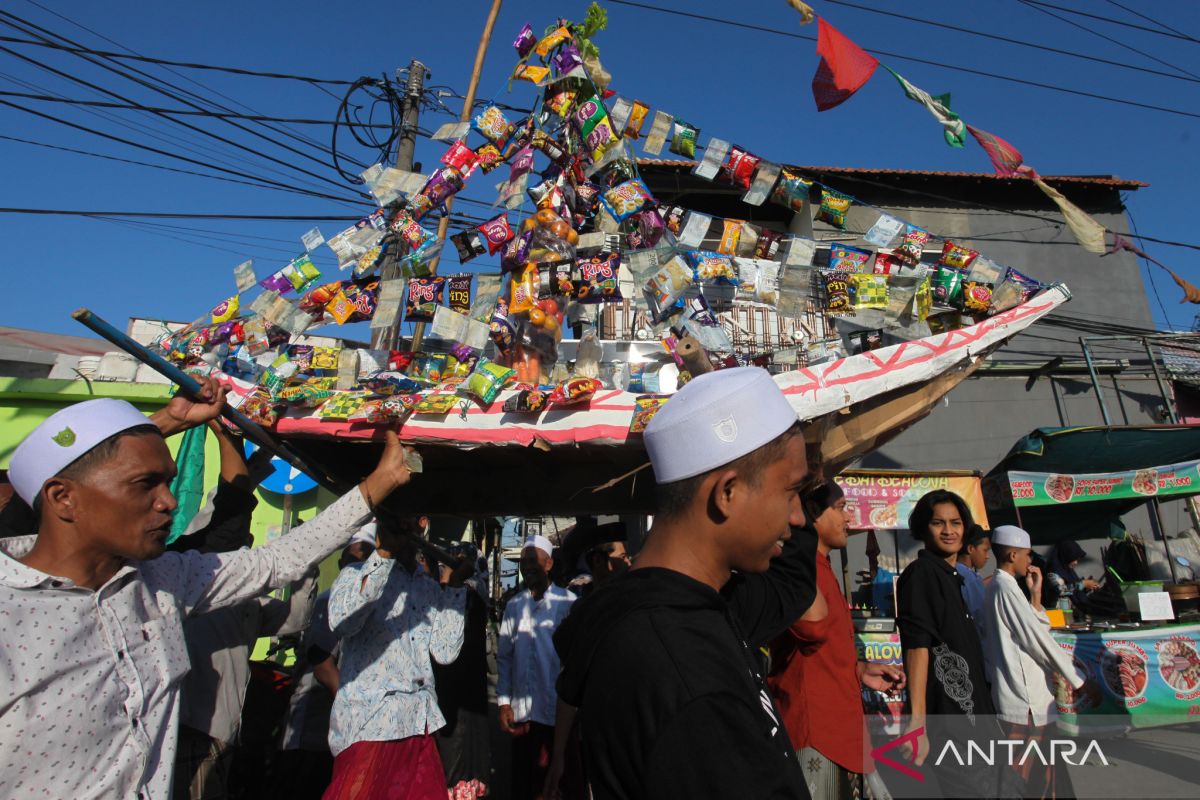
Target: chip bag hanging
x,y
791,191
494,126
551,41
664,288
683,140
226,310
913,247
525,41
976,297
834,206
957,256
497,233
637,118
567,59
947,287
461,158
598,278
532,73
768,244
739,167
424,296
1014,290
490,157
712,266
848,258
486,381
837,293
574,391
524,293
623,201
460,292
469,244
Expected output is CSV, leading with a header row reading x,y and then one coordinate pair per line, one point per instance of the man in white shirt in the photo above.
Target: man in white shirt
x,y
1022,655
94,649
527,667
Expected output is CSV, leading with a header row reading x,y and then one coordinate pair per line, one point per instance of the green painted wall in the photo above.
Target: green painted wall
x,y
25,402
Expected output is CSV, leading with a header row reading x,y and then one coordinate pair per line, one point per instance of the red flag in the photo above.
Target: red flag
x,y
844,67
1005,158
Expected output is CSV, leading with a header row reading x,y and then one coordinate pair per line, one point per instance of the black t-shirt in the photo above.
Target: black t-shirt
x,y
672,698
933,615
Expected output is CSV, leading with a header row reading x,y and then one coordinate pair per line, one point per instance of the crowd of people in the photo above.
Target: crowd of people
x,y
719,661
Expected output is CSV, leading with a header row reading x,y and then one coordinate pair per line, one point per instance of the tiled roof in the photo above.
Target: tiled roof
x,y
1098,180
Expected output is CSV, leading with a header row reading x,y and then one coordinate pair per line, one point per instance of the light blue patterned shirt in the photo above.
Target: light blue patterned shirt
x,y
390,623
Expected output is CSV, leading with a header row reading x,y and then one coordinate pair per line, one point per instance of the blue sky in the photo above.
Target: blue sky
x,y
749,86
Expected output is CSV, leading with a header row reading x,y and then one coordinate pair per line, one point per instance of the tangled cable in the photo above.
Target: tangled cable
x,y
366,133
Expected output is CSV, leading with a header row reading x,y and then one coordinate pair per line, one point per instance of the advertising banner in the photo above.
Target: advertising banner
x,y
1051,488
883,500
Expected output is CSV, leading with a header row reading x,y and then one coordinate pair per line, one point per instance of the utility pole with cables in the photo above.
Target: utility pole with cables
x,y
406,146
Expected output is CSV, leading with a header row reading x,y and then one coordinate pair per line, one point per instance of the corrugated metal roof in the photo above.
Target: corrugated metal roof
x,y
53,342
1097,180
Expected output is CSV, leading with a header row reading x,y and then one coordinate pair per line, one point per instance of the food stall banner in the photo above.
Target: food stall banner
x,y
883,500
1136,678
1053,488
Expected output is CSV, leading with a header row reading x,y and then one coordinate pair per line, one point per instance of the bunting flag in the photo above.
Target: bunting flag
x,y
1088,232
1005,158
1191,294
938,105
844,67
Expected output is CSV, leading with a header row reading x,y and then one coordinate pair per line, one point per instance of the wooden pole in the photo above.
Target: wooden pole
x,y
468,106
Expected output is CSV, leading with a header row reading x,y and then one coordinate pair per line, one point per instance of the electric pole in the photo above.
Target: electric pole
x,y
406,144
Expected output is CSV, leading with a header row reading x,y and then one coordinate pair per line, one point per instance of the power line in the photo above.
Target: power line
x,y
1105,37
185,64
916,60
1120,22
183,215
179,111
1009,40
162,91
1148,19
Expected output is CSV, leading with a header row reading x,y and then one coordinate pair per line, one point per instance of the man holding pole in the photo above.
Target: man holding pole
x,y
94,608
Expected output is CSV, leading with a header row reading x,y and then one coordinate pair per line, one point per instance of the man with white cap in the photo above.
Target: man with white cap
x,y
1021,654
662,665
527,666
93,608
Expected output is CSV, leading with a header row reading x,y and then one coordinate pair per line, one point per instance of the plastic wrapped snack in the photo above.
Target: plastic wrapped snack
x,y
848,258
947,287
739,167
910,250
437,403
957,256
664,288
623,201
598,279
494,126
525,41
644,409
501,328
710,266
834,206
1015,289
524,293
574,391
837,293
389,382
868,291
487,380
791,191
424,296
976,297
683,139
497,233
387,409
551,41
526,401
490,157
259,407
730,236
767,245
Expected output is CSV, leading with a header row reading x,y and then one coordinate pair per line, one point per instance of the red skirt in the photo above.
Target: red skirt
x,y
401,769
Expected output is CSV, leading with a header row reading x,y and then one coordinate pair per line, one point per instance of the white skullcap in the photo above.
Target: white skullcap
x,y
65,436
1010,536
538,543
714,419
364,535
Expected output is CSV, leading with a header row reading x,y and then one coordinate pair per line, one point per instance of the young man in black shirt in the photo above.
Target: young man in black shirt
x,y
662,665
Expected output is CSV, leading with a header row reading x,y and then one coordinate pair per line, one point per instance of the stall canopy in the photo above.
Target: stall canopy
x,y
1075,483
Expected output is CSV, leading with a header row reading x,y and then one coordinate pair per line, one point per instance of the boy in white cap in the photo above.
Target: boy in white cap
x,y
1021,654
93,608
527,666
662,665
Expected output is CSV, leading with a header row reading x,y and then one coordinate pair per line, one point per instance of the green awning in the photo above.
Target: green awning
x,y
1075,456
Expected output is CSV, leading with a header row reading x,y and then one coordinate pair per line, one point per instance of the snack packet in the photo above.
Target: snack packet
x,y
848,258
791,191
598,278
665,287
834,206
436,403
342,405
525,41
524,293
887,264
551,41
1014,290
387,409
739,167
460,292
567,59
497,233
683,140
430,368
490,157
526,401
487,380
424,296
730,236
768,243
389,382
637,118
910,250
574,391
469,244
644,409
501,328
494,126
947,286
976,297
626,200
957,256
837,293
868,291
710,266
532,73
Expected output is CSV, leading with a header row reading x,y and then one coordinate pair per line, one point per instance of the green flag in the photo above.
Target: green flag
x,y
955,130
188,485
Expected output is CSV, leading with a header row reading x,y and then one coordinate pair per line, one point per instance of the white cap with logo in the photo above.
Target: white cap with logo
x,y
1010,536
538,543
64,437
714,419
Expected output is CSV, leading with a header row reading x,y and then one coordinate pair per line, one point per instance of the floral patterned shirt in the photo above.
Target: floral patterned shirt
x,y
391,623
